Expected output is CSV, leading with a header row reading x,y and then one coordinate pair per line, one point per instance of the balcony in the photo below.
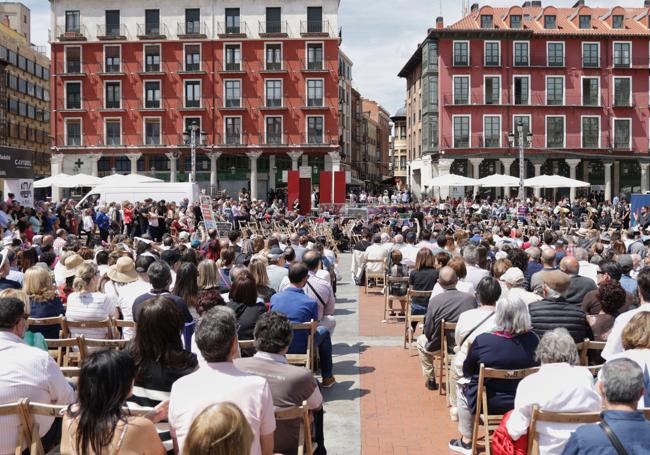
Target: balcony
x,y
314,104
313,66
273,29
192,30
61,34
152,31
309,29
232,31
111,32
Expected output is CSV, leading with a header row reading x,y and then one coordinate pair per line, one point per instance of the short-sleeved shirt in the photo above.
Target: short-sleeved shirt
x,y
298,307
150,295
89,306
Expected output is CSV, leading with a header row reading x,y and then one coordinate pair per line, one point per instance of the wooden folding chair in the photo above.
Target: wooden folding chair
x,y
412,319
381,275
587,346
482,417
89,345
30,411
576,418
246,344
47,322
103,324
445,358
23,435
389,299
119,325
304,437
66,351
307,359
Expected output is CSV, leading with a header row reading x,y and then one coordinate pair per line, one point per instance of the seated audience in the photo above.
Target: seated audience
x,y
208,282
579,285
612,298
458,264
244,302
423,278
43,300
514,280
220,429
606,271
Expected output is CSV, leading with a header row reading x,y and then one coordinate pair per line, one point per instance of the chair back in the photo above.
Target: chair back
x,y
30,411
66,351
23,435
304,437
72,324
576,418
89,345
308,358
587,346
119,325
246,344
188,331
46,322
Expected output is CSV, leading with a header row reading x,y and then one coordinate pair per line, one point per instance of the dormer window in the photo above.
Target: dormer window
x,y
584,22
486,21
618,20
550,22
515,21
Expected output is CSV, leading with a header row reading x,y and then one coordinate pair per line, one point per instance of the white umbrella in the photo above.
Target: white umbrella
x,y
499,181
54,180
554,181
80,180
128,179
453,180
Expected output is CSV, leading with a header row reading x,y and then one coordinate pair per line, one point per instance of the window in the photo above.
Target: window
x,y
554,90
515,21
273,57
72,132
22,63
152,131
152,22
590,91
233,57
622,133
622,91
273,20
274,130
152,58
22,85
524,121
622,55
315,92
549,21
112,22
461,53
113,131
522,53
492,90
590,132
461,89
112,95
112,59
522,89
233,130
491,131
618,21
590,55
73,59
486,21
584,21
73,95
461,131
13,81
233,93
555,54
314,19
315,130
555,132
192,21
192,94
233,21
273,90
72,22
433,90
314,56
492,53
152,95
192,57
189,124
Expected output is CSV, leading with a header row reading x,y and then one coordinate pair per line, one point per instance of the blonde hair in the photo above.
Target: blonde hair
x,y
38,284
85,273
18,294
208,275
636,334
220,429
258,269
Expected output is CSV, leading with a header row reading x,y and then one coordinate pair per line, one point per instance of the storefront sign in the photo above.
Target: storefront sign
x,y
16,163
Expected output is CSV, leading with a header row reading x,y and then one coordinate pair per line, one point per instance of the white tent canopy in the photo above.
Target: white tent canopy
x,y
554,181
499,181
55,180
452,180
128,179
79,180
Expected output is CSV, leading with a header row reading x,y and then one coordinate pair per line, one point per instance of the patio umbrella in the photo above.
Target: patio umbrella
x,y
453,180
54,180
128,179
554,181
499,181
79,180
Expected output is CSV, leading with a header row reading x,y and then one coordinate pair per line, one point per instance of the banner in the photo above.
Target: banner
x,y
16,163
22,189
206,211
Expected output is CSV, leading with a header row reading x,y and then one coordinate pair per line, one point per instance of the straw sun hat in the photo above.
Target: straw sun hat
x,y
72,263
123,271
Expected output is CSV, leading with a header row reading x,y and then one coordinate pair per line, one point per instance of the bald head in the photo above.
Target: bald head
x,y
447,277
569,265
548,257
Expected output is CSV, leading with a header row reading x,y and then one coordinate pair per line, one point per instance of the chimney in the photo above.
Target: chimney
x,y
474,7
536,3
646,3
526,5
579,3
440,22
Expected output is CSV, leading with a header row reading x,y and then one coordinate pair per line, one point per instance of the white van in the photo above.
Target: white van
x,y
138,192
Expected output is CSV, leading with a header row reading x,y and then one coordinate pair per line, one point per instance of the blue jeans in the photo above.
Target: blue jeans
x,y
323,342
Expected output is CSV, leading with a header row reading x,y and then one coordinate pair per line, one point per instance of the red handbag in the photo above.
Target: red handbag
x,y
502,444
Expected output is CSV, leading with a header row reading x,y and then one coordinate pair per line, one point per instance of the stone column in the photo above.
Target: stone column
x,y
573,164
538,171
507,170
616,179
172,156
608,181
427,174
585,170
94,159
335,159
444,168
56,168
476,171
644,177
305,160
134,157
272,172
253,156
435,173
294,159
214,156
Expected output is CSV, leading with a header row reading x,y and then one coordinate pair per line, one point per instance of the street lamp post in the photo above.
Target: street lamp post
x,y
195,137
522,164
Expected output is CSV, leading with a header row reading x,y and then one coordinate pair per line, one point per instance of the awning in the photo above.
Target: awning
x,y
554,181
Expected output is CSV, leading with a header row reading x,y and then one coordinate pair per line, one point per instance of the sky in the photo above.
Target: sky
x,y
379,36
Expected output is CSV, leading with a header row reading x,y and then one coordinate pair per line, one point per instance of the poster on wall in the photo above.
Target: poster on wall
x,y
22,189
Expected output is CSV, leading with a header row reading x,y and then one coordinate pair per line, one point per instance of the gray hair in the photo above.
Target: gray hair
x,y
622,381
236,270
581,254
215,332
470,254
557,346
534,253
512,316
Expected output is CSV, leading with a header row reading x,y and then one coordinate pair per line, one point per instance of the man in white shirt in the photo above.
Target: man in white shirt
x,y
587,269
320,290
27,372
130,292
375,252
409,251
474,273
276,269
614,343
220,380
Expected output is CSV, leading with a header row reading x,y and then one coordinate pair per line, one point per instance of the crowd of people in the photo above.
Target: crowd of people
x,y
524,281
